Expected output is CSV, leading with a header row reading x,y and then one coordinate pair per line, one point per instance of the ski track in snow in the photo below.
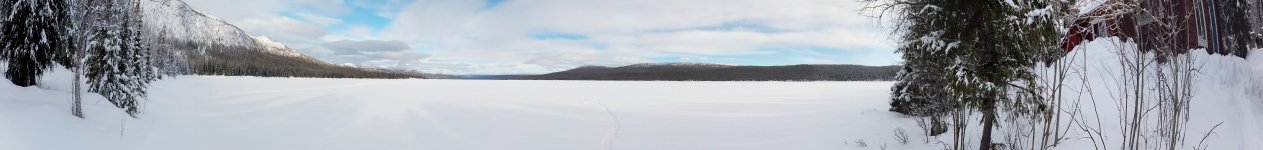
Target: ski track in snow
x,y
607,142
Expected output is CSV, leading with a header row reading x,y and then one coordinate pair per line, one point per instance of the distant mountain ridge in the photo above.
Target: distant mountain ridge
x,y
707,72
203,44
676,64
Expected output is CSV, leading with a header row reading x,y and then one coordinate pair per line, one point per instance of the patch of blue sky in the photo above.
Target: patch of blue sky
x,y
742,25
365,17
492,4
361,15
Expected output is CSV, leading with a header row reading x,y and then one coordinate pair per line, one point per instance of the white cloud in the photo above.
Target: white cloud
x,y
368,46
237,10
463,36
390,54
318,19
283,27
621,32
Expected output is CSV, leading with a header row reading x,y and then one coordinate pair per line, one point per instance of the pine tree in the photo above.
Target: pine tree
x,y
165,56
915,92
119,66
33,39
988,49
919,89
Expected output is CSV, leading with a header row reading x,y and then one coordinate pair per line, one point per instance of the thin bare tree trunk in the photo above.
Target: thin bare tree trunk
x,y
956,131
76,107
988,121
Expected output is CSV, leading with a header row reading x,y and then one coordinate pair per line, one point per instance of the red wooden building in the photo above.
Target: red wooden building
x,y
1160,26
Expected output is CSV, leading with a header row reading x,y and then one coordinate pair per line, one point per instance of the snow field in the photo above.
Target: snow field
x,y
210,112
215,112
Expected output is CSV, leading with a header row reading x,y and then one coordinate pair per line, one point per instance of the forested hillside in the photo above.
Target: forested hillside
x,y
249,61
715,72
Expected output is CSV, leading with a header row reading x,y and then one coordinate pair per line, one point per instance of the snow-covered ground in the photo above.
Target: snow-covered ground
x,y
213,112
1227,90
216,113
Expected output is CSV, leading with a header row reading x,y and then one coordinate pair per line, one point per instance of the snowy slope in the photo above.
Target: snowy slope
x,y
174,19
274,47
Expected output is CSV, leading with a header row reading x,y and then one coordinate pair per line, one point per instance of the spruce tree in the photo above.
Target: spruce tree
x,y
33,39
119,65
918,90
988,49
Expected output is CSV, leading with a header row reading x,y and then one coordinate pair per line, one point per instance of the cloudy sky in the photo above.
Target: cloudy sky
x,y
539,36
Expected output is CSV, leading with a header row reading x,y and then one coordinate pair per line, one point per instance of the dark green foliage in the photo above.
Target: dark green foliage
x,y
976,50
985,50
245,61
919,90
32,39
1235,30
1256,22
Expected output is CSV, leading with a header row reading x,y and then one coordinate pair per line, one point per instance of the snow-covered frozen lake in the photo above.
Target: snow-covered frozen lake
x,y
213,113
247,113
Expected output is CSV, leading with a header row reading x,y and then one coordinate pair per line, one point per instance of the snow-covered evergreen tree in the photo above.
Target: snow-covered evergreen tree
x,y
118,63
988,49
166,58
919,88
33,39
